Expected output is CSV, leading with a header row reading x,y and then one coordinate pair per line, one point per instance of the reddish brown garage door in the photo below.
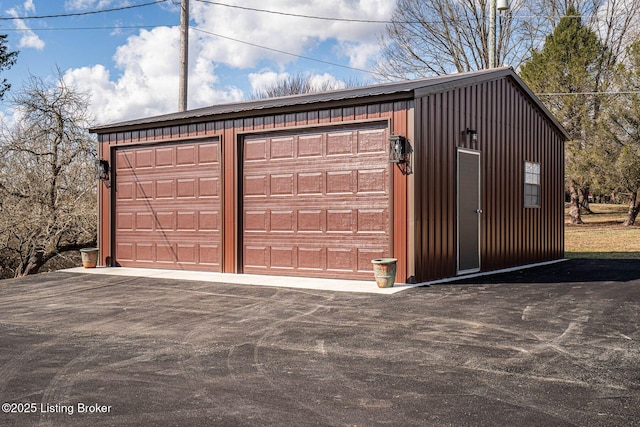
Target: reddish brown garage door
x,y
316,203
167,209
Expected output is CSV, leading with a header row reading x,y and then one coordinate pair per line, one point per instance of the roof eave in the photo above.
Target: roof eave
x,y
204,114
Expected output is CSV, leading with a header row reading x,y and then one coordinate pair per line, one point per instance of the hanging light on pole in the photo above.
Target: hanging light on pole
x,y
184,55
503,5
494,5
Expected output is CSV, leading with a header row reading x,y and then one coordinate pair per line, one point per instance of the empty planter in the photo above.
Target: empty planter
x,y
89,257
384,271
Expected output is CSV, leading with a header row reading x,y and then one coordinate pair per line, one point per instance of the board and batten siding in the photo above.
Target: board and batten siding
x,y
230,130
510,130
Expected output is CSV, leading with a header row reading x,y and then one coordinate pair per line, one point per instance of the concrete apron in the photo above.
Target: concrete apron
x,y
358,286
338,285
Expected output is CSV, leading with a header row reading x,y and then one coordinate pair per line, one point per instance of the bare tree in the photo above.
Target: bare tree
x,y
300,84
46,181
435,37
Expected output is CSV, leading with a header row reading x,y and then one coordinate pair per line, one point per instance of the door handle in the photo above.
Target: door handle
x,y
478,211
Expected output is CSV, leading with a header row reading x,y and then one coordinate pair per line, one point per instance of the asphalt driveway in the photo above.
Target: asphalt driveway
x,y
554,346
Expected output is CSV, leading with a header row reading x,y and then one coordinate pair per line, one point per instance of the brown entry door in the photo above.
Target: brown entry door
x,y
469,211
316,203
167,206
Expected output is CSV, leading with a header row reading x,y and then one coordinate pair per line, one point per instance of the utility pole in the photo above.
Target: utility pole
x,y
494,5
492,34
184,55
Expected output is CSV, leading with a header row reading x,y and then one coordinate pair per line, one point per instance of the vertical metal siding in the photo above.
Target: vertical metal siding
x,y
510,131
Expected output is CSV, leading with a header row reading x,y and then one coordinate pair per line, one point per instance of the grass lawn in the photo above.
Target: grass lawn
x,y
602,235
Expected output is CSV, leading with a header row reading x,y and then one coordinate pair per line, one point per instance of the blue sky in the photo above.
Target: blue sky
x,y
133,72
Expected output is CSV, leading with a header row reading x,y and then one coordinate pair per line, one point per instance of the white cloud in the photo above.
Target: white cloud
x,y
148,83
287,33
28,39
361,54
264,79
326,80
29,6
146,80
87,4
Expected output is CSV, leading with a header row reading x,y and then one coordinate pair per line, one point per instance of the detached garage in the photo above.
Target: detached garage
x,y
450,175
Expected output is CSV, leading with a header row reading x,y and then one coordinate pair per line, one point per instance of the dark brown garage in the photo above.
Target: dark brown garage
x,y
307,185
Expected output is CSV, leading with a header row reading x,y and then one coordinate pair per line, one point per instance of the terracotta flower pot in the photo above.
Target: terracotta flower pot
x,y
89,257
384,271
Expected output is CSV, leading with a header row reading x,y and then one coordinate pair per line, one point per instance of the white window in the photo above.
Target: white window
x,y
531,184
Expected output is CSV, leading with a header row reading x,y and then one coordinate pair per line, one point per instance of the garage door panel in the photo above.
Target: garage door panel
x,y
209,220
372,221
168,207
372,181
186,155
143,159
310,221
312,212
311,258
339,220
255,150
164,157
144,252
208,153
164,189
339,143
372,141
283,257
256,256
144,221
125,251
208,187
341,259
210,255
340,182
281,148
281,185
310,145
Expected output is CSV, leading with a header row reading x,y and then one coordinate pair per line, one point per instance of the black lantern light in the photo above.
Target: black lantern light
x,y
102,171
473,133
400,153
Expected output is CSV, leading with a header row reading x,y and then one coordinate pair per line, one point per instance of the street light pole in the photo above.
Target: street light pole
x,y
184,55
494,5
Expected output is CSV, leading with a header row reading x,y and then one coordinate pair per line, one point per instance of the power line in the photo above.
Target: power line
x,y
92,12
367,21
122,27
324,18
293,54
631,92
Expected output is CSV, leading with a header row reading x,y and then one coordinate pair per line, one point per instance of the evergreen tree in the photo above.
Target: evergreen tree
x,y
570,62
7,60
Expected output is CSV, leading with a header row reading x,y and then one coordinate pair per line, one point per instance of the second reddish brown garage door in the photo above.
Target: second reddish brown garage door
x,y
167,206
316,203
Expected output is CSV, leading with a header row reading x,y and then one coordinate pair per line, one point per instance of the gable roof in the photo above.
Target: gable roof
x,y
405,89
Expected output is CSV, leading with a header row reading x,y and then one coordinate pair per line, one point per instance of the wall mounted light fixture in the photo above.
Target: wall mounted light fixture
x,y
400,153
102,171
473,133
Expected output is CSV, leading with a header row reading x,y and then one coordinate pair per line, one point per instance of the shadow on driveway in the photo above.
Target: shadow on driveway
x,y
571,271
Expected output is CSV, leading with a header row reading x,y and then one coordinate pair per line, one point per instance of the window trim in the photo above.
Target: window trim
x,y
532,170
